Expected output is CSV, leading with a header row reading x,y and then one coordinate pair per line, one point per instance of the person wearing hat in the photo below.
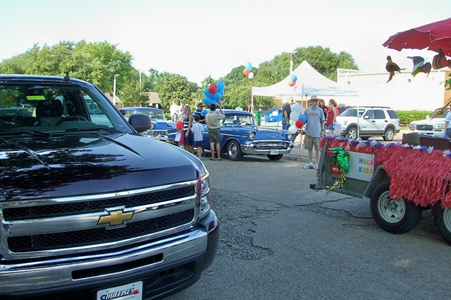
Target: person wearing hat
x,y
200,107
314,130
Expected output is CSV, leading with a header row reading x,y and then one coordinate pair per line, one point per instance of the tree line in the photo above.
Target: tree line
x,y
98,62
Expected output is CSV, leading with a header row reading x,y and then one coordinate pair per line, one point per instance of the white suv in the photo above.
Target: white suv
x,y
430,127
372,121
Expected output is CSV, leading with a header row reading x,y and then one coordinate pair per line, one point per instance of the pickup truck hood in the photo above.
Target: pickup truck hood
x,y
68,165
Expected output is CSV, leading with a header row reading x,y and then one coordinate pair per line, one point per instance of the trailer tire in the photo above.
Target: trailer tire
x,y
392,215
442,219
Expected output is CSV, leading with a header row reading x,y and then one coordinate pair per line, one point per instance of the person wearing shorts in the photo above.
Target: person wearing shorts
x,y
213,124
198,130
314,130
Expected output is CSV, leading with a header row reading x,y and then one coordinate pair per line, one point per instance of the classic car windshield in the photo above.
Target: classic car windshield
x,y
231,120
55,108
154,114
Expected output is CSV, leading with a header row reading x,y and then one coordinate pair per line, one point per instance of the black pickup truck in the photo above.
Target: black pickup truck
x,y
89,208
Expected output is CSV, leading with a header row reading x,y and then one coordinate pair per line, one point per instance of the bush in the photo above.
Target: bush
x,y
407,116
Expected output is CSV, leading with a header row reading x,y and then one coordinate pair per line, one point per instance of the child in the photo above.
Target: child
x,y
198,130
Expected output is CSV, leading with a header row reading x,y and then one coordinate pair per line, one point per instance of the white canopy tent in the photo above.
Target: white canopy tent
x,y
309,82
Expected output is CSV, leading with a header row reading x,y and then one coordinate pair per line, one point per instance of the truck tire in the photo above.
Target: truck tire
x,y
274,157
234,150
392,215
442,218
351,133
389,134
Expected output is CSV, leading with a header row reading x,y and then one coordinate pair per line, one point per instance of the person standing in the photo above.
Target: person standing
x,y
214,137
314,130
286,111
331,116
322,105
198,130
173,110
198,112
187,133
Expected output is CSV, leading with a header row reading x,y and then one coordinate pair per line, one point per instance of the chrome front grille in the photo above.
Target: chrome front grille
x,y
87,237
271,145
424,127
52,227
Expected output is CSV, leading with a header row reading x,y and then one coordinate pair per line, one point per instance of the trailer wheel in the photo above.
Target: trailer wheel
x,y
442,218
392,215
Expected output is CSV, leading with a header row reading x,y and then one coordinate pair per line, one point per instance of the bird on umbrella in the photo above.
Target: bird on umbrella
x,y
419,65
391,68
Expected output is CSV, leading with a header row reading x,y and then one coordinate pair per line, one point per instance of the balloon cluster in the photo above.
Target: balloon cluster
x,y
297,120
214,92
248,71
293,80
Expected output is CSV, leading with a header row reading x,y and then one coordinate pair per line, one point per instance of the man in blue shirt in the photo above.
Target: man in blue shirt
x,y
314,130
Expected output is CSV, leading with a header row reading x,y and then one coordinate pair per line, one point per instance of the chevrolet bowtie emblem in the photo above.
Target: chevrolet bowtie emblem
x,y
115,217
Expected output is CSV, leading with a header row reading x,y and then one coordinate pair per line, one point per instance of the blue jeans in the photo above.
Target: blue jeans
x,y
285,125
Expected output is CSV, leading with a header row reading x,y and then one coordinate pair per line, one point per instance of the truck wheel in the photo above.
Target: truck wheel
x,y
442,218
351,133
392,215
234,151
275,157
389,134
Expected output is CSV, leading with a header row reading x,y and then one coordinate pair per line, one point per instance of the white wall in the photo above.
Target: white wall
x,y
403,92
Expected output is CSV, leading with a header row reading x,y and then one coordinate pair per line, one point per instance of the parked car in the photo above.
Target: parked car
x,y
431,126
91,211
241,136
372,121
341,109
159,128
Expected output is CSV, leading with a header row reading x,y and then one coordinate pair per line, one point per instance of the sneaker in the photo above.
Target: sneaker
x,y
309,166
315,166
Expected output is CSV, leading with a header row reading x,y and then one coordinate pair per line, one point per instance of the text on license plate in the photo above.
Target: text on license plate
x,y
273,152
131,291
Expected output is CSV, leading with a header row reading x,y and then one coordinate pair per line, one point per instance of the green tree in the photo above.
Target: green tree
x,y
175,89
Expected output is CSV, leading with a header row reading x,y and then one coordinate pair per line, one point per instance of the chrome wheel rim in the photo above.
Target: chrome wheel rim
x,y
232,150
391,210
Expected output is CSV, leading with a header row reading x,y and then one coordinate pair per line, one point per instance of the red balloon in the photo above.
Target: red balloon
x,y
325,110
212,88
179,125
299,124
291,83
246,72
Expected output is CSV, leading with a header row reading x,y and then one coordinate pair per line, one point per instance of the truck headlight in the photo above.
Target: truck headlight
x,y
412,126
439,126
204,197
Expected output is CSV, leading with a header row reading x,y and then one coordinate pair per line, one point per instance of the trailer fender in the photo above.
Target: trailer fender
x,y
378,176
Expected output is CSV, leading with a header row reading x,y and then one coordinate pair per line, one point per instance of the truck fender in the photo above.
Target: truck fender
x,y
378,176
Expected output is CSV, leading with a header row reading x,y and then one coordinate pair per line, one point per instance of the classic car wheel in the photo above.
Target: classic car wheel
x,y
275,157
234,151
351,133
392,215
389,134
442,218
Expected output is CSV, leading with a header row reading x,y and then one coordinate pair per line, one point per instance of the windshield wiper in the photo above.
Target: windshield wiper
x,y
96,128
23,131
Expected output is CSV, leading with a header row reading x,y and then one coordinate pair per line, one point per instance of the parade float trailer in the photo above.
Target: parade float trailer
x,y
400,179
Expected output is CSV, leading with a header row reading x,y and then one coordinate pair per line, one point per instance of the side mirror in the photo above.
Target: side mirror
x,y
140,122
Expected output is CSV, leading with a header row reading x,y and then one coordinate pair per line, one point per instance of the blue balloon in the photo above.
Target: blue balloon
x,y
207,93
294,78
204,112
249,66
303,118
217,96
220,85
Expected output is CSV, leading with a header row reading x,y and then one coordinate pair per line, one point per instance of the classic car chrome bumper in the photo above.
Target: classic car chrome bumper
x,y
267,147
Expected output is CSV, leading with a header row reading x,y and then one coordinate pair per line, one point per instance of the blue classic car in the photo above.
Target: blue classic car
x,y
241,136
160,126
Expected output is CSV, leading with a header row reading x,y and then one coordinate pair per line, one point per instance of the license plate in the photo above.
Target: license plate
x,y
131,291
273,152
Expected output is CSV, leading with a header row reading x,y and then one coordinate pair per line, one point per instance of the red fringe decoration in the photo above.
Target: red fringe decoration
x,y
416,174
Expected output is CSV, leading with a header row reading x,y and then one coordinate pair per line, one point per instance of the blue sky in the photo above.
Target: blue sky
x,y
197,38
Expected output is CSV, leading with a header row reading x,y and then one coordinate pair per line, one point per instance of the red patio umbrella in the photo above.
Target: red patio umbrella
x,y
430,36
